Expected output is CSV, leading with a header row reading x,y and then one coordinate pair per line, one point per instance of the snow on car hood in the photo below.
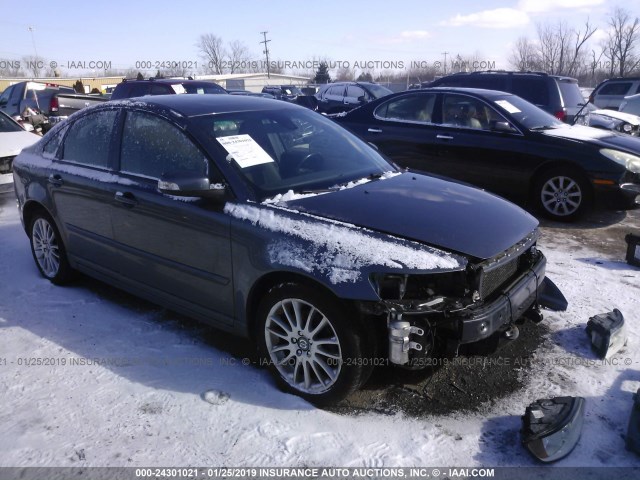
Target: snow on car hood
x,y
443,214
337,249
11,143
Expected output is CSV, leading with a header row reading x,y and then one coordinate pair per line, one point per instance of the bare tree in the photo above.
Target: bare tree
x,y
212,51
624,35
577,54
239,57
34,65
345,74
10,68
524,55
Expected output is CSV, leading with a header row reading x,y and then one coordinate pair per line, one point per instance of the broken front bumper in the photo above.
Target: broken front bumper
x,y
513,301
409,330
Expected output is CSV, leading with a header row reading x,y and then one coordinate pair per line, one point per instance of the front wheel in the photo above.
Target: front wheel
x,y
313,350
562,194
48,250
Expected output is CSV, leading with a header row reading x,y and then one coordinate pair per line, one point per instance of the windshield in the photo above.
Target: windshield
x,y
291,90
280,150
378,91
202,88
8,125
528,115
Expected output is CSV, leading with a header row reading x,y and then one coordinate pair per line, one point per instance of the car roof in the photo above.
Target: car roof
x,y
476,91
195,105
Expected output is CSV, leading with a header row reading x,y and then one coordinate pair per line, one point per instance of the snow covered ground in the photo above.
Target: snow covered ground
x,y
126,384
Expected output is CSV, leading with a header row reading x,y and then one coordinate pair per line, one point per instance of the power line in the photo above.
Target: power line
x,y
266,51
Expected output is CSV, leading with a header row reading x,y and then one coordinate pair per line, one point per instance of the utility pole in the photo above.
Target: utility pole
x,y
445,61
266,51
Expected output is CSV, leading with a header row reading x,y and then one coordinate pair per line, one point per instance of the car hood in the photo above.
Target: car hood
x,y
11,143
626,117
441,213
595,136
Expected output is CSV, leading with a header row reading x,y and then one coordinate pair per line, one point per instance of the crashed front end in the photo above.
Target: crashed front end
x,y
460,306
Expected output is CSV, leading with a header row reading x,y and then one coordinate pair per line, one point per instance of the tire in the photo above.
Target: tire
x,y
310,346
48,251
562,194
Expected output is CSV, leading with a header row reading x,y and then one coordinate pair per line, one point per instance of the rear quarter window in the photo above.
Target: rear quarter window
x,y
532,89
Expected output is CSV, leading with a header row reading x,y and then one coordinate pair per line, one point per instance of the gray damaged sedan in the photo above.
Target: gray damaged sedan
x,y
269,221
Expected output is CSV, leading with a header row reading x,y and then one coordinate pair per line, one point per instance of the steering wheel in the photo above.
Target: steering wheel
x,y
311,162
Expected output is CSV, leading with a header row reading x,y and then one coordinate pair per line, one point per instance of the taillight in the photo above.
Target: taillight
x,y
561,115
53,104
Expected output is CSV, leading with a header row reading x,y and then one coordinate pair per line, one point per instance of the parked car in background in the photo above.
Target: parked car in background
x,y
559,96
501,142
55,102
610,93
267,220
164,86
283,92
621,122
344,96
247,93
13,138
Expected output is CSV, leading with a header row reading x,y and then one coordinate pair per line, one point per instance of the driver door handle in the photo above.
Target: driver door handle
x,y
55,180
374,130
126,198
444,137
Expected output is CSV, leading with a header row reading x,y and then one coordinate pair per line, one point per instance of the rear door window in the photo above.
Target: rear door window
x,y
412,108
89,139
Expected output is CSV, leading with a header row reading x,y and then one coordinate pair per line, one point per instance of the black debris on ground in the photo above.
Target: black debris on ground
x,y
481,375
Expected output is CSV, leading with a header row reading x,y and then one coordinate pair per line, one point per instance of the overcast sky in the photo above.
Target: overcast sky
x,y
124,32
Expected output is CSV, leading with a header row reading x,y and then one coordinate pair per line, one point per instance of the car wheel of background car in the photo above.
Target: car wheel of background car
x,y
562,194
48,250
309,343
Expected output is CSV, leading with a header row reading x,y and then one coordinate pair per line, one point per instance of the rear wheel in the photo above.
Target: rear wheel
x,y
311,348
48,250
562,194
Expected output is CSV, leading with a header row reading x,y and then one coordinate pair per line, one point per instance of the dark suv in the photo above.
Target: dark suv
x,y
163,86
283,92
343,96
559,96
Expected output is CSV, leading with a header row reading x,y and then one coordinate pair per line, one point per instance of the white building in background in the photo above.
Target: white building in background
x,y
254,82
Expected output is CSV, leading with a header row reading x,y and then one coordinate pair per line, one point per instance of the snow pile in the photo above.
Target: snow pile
x,y
339,250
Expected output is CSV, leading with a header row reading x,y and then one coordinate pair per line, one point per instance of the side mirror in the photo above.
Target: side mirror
x,y
361,99
3,102
504,127
189,184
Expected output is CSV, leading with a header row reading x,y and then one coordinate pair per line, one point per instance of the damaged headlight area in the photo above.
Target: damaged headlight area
x,y
551,428
435,313
607,333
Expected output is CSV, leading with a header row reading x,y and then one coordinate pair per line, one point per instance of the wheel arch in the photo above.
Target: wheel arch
x,y
30,208
553,165
272,279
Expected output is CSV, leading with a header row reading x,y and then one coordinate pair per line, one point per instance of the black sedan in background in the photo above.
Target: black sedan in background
x,y
501,142
270,221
